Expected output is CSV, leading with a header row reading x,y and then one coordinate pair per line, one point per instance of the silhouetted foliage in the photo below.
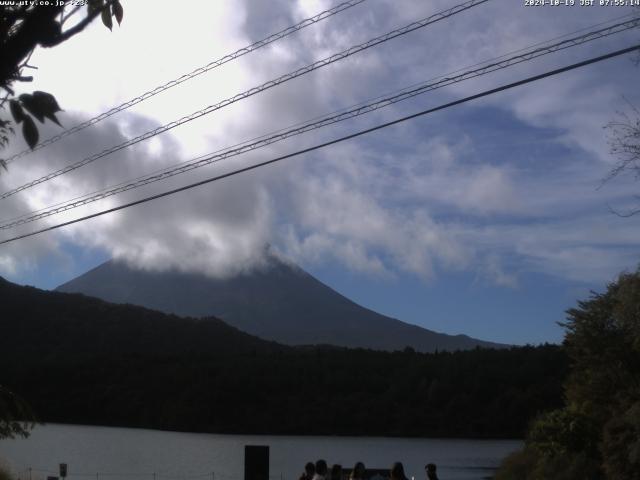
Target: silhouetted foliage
x,y
624,143
25,26
16,416
82,360
596,435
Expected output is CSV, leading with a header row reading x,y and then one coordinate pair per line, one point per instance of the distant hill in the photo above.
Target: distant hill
x,y
280,302
34,322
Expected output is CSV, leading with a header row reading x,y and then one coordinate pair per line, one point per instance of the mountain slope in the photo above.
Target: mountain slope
x,y
280,302
35,321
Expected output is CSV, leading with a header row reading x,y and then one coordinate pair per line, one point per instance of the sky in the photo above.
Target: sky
x,y
490,218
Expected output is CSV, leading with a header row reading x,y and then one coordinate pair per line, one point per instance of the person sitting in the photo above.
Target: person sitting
x,y
321,470
397,472
431,471
336,472
309,471
358,472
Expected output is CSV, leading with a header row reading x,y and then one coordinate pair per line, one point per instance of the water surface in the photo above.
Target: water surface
x,y
104,453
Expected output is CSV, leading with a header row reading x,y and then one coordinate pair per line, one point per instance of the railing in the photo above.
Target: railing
x,y
44,474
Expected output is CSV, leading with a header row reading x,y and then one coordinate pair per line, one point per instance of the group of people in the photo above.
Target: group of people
x,y
320,471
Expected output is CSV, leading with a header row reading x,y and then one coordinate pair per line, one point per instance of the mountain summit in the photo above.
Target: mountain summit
x,y
279,302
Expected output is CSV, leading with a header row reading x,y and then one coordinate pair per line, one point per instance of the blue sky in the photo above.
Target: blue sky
x,y
484,219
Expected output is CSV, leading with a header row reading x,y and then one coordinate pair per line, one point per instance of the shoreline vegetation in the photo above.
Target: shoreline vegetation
x,y
595,434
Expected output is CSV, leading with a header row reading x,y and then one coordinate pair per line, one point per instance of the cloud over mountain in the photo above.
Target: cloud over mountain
x,y
498,187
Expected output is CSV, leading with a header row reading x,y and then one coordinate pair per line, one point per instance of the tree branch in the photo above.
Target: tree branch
x,y
70,14
36,28
83,23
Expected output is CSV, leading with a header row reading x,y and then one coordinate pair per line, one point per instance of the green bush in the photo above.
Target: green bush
x,y
518,466
561,432
621,445
532,464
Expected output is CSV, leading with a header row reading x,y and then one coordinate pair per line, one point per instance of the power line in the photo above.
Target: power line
x,y
494,59
194,73
331,142
280,135
265,86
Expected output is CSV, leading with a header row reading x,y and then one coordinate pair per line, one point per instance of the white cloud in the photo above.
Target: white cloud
x,y
491,270
419,198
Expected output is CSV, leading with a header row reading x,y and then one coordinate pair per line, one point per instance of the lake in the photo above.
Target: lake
x,y
104,453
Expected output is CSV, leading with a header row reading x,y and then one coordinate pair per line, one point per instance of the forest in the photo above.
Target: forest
x,y
80,360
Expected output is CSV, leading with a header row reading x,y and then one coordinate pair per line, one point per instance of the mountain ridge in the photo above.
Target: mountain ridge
x,y
36,321
280,302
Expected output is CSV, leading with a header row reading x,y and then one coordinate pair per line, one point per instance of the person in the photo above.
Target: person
x,y
358,472
321,470
336,472
309,471
431,471
397,472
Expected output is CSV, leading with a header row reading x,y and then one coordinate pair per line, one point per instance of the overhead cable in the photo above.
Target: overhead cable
x,y
331,142
188,76
253,91
326,120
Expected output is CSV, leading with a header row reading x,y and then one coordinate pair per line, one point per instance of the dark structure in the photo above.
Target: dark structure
x,y
256,462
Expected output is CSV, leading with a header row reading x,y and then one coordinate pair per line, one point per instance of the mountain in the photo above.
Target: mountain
x,y
280,302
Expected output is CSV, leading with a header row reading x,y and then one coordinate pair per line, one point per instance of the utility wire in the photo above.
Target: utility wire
x,y
188,76
484,62
358,110
265,86
331,142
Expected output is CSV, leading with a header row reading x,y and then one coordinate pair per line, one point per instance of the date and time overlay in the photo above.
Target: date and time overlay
x,y
582,3
527,3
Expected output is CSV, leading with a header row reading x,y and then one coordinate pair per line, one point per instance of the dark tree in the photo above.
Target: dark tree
x,y
624,142
596,435
16,417
22,29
